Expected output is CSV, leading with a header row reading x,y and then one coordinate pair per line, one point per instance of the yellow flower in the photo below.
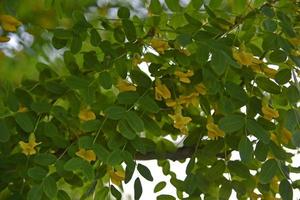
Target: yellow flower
x,y
269,113
159,45
86,115
22,108
285,135
125,86
295,41
161,91
88,155
180,121
28,148
201,89
4,39
9,23
117,176
213,131
245,58
269,72
184,77
190,99
171,103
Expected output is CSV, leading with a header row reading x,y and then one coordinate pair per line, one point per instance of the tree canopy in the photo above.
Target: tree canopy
x,y
91,87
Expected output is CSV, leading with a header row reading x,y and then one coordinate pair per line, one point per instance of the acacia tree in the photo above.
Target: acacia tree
x,y
222,75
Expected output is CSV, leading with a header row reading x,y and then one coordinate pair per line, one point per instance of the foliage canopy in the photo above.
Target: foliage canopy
x,y
111,87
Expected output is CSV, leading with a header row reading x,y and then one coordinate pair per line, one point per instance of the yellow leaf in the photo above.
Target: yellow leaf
x,y
28,148
214,131
125,86
184,77
161,91
88,155
86,115
269,113
4,39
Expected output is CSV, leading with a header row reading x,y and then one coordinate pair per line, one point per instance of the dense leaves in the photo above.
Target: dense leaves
x,y
115,84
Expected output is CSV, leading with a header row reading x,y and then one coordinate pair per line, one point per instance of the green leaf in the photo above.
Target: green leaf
x,y
101,152
73,164
257,130
145,172
238,168
115,157
49,187
75,82
269,25
232,123
140,78
4,132
62,195
134,121
283,76
129,30
165,197
268,171
285,190
115,112
102,193
119,35
126,130
76,44
105,80
35,193
45,159
24,120
90,126
268,85
40,107
128,98
245,149
218,63
148,104
236,92
217,170
138,189
261,151
85,142
115,192
151,126
155,7
95,37
123,12
159,186
225,191
173,5
278,56
279,152
37,173
88,171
